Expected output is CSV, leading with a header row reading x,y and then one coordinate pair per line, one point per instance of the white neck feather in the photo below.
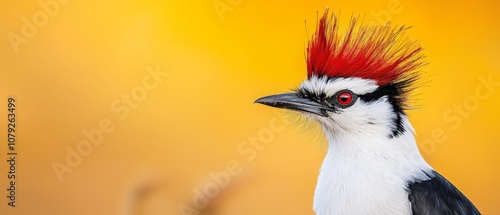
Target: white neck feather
x,y
368,173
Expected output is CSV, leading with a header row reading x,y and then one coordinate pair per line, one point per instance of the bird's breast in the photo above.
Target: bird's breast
x,y
359,190
362,185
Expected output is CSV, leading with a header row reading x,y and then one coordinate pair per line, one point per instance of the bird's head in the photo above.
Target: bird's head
x,y
358,82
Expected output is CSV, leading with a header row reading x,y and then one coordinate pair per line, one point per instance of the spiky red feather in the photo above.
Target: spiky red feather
x,y
376,52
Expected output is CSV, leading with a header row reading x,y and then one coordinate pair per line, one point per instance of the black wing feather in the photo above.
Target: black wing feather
x,y
438,196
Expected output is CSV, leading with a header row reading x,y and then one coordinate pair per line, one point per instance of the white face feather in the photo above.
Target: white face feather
x,y
365,170
362,118
323,85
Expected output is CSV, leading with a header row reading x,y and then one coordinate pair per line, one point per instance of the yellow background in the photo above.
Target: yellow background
x,y
67,76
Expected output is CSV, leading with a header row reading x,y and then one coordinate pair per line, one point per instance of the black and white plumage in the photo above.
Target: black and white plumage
x,y
357,89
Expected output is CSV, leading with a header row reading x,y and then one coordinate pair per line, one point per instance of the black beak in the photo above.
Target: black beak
x,y
294,101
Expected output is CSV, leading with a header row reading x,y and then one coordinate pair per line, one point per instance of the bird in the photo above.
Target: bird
x,y
358,89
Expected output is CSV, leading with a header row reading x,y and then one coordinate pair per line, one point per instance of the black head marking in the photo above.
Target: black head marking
x,y
393,92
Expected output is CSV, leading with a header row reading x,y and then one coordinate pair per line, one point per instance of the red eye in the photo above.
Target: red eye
x,y
344,98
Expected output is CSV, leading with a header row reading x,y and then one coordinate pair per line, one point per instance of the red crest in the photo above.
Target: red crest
x,y
375,52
